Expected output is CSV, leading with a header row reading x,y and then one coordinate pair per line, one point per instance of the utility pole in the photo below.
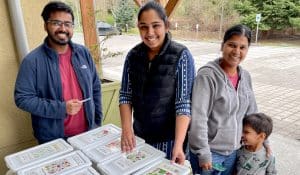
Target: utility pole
x,y
221,19
77,14
257,19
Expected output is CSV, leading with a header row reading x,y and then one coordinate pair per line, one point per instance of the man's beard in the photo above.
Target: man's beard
x,y
58,41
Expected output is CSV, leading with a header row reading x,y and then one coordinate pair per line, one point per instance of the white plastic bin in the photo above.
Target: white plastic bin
x,y
126,164
37,154
10,172
164,166
66,164
85,171
102,152
98,135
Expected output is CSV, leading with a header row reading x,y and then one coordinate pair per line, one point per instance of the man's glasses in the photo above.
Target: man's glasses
x,y
58,23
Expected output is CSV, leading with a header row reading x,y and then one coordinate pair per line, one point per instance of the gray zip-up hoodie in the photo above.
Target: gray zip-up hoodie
x,y
218,110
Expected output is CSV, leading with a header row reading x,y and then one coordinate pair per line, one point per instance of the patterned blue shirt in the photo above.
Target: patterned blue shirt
x,y
185,74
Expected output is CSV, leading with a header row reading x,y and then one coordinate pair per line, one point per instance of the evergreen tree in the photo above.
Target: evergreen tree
x,y
276,14
124,14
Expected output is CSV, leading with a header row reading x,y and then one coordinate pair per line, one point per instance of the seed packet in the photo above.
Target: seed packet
x,y
218,167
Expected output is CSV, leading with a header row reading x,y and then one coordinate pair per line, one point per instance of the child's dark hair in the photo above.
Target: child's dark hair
x,y
55,6
240,30
153,5
260,122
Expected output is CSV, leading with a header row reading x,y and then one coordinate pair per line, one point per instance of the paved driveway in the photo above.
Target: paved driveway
x,y
275,72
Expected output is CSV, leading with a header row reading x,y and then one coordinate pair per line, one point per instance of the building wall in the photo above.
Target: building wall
x,y
15,125
33,21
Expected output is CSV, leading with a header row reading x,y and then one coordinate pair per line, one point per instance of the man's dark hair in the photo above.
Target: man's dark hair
x,y
55,6
260,122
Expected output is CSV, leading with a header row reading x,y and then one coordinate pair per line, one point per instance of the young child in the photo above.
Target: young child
x,y
252,157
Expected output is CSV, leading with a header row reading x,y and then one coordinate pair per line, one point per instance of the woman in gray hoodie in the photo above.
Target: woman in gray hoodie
x,y
222,96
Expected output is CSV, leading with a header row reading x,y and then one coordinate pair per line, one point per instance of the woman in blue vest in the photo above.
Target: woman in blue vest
x,y
156,87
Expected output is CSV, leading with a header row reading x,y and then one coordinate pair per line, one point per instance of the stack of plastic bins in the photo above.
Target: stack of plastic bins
x,y
85,171
37,154
98,135
102,152
164,166
128,163
67,164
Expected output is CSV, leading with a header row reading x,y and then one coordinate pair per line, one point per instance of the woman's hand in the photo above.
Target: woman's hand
x,y
182,123
206,166
128,142
127,137
178,155
268,149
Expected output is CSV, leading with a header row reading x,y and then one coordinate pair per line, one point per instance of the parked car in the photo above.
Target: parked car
x,y
105,29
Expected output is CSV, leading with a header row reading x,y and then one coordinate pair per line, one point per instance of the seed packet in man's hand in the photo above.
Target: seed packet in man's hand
x,y
84,100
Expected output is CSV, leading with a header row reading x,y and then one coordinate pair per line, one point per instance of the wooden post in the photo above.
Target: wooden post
x,y
138,2
171,6
91,39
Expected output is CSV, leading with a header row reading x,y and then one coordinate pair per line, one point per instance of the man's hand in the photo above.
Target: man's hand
x,y
73,106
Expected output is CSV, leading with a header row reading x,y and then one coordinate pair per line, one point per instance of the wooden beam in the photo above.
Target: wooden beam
x,y
162,2
138,2
91,39
171,6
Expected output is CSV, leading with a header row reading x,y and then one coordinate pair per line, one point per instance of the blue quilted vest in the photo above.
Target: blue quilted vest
x,y
153,89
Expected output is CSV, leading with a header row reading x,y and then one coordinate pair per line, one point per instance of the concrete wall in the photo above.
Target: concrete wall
x,y
15,125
